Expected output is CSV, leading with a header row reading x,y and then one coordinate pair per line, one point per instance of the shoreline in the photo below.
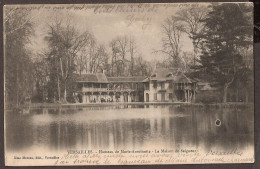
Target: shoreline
x,y
82,105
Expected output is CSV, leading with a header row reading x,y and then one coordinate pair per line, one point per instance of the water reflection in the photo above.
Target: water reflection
x,y
129,126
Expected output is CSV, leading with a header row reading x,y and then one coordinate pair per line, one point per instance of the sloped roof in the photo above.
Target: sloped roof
x,y
181,78
127,79
147,79
163,74
160,74
92,77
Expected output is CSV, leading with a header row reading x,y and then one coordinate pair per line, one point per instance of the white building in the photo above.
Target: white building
x,y
169,85
164,85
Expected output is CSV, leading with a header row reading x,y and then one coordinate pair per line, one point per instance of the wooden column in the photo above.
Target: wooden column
x,y
193,98
188,95
121,97
129,97
87,99
114,97
99,98
185,95
194,90
84,97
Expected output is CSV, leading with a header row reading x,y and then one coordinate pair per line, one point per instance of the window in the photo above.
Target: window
x,y
96,85
170,85
163,96
155,84
170,96
103,85
163,85
155,96
79,85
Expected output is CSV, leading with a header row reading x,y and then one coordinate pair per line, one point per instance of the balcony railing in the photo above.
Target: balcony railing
x,y
84,89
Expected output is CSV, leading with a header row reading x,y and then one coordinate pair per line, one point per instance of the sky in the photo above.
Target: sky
x,y
105,22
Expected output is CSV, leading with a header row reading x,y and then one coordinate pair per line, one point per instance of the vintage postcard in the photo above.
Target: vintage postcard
x,y
128,84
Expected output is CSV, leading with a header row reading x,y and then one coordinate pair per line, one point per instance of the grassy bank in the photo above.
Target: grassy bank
x,y
75,105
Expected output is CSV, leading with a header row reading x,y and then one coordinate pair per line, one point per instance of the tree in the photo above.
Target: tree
x,y
99,59
132,51
18,64
64,42
191,20
142,67
228,28
119,47
123,55
187,60
41,74
82,60
171,40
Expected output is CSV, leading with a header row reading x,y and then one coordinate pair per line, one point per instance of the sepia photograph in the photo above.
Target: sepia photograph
x,y
128,84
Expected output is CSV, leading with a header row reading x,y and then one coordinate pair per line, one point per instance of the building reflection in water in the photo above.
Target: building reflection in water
x,y
129,127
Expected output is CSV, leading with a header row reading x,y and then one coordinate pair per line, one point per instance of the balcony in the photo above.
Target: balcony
x,y
84,89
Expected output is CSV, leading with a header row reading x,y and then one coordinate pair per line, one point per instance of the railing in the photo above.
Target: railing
x,y
84,89
107,90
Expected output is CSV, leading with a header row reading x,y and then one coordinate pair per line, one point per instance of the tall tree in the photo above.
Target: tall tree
x,y
41,74
228,27
87,56
142,67
120,49
99,59
65,42
190,18
172,31
124,51
132,51
18,65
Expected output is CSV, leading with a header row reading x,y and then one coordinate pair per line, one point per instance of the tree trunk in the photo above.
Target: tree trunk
x,y
194,57
65,92
17,86
58,88
112,66
237,95
225,93
246,94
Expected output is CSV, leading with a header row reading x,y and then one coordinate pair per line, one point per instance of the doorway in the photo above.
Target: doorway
x,y
147,97
163,97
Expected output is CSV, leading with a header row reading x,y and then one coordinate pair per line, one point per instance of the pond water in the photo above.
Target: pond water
x,y
129,126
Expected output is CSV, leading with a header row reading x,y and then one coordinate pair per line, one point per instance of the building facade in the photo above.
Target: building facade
x,y
164,85
97,88
169,85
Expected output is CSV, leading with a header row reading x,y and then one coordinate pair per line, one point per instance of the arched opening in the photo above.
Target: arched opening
x,y
111,97
117,97
103,97
80,98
